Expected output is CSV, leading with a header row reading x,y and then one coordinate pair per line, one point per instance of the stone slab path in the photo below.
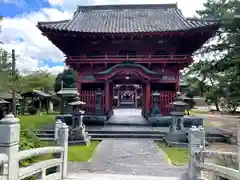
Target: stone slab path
x,y
129,157
116,177
127,116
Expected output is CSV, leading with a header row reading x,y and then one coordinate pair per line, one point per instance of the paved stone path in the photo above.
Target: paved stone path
x,y
127,116
117,177
128,157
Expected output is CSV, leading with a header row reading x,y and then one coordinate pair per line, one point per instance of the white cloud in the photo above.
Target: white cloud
x,y
36,45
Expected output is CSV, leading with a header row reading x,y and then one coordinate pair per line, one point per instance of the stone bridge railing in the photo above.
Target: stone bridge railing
x,y
10,156
222,166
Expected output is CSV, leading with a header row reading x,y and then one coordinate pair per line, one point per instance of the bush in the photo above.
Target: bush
x,y
28,140
32,110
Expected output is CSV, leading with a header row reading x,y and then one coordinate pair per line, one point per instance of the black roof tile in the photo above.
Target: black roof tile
x,y
126,19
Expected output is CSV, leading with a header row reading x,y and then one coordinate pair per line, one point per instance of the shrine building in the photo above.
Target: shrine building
x,y
124,53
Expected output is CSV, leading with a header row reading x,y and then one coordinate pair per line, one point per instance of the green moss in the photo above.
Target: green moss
x,y
177,156
81,153
35,121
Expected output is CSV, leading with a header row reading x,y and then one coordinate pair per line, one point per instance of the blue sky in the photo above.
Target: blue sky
x,y
34,51
19,7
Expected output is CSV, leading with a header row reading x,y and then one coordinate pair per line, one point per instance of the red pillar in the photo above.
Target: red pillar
x,y
107,95
144,99
147,97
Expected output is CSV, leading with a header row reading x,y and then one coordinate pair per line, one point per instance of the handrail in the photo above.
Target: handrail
x,y
220,170
38,152
197,155
3,158
9,162
221,155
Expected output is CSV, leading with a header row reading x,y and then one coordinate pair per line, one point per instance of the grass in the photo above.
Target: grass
x,y
78,153
195,112
81,153
35,121
177,156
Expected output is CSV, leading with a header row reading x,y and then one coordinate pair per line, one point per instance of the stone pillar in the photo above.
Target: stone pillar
x,y
98,109
56,129
147,98
63,142
196,137
238,143
107,95
50,106
9,143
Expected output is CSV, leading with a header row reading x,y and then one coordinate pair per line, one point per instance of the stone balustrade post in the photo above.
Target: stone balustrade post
x,y
56,129
238,144
196,137
63,142
9,143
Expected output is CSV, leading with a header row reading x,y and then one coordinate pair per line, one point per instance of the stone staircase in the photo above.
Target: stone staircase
x,y
103,134
121,131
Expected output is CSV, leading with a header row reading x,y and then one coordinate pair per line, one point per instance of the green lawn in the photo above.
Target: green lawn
x,y
75,153
177,156
78,153
81,153
35,121
196,112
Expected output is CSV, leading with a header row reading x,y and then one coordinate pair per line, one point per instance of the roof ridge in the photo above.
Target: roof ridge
x,y
126,6
202,19
56,22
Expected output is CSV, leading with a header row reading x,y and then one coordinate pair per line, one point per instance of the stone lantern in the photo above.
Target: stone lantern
x,y
98,109
77,112
78,134
179,107
177,135
156,99
66,95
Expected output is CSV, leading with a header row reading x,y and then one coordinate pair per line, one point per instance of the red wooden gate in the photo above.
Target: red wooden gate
x,y
89,97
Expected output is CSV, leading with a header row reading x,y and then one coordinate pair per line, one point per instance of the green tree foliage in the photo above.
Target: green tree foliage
x,y
68,77
218,76
40,80
5,70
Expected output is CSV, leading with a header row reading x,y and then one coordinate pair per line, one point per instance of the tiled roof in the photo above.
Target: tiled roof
x,y
126,19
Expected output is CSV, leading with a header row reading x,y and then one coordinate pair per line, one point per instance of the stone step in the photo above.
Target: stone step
x,y
46,138
124,135
125,132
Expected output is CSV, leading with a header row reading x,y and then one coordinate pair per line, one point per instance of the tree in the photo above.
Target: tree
x,y
5,70
222,70
68,77
40,80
